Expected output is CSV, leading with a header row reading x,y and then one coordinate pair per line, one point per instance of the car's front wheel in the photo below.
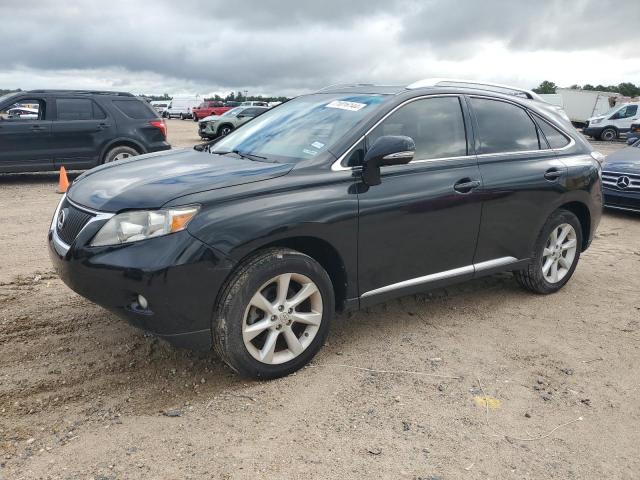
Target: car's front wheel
x,y
274,314
609,135
555,256
225,130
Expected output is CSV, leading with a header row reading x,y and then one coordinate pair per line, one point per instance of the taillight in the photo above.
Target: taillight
x,y
160,125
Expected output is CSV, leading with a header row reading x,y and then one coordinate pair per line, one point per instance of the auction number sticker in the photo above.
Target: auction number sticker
x,y
342,105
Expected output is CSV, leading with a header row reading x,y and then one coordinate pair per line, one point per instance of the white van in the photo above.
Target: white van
x,y
618,120
180,107
254,103
160,105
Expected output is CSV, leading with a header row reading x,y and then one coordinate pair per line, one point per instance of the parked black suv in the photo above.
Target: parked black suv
x,y
75,129
331,201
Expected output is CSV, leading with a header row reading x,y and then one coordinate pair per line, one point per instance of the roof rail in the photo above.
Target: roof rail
x,y
491,87
84,92
341,85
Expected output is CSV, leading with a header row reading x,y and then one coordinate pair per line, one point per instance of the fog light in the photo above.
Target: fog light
x,y
143,302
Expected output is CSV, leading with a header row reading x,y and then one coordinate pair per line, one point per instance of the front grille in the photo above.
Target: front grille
x,y
74,221
622,182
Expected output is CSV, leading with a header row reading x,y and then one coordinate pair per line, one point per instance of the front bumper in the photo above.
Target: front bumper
x,y
207,130
620,200
593,131
178,275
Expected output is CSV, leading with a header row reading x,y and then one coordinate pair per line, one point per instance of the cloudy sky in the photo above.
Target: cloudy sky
x,y
293,46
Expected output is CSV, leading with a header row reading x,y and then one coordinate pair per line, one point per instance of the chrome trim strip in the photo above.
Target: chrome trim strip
x,y
393,156
61,246
477,267
80,207
495,263
622,208
420,280
337,165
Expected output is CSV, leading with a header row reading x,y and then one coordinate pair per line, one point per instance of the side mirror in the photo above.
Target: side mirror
x,y
387,150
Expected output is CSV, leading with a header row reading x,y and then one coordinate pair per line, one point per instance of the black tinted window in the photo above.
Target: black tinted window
x,y
435,124
553,136
253,112
74,109
135,109
504,127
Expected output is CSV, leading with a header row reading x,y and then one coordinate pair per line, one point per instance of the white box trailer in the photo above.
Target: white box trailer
x,y
581,105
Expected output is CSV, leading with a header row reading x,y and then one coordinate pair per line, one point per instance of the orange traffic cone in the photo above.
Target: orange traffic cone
x,y
63,182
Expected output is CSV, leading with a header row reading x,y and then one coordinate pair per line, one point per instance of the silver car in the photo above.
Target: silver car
x,y
220,125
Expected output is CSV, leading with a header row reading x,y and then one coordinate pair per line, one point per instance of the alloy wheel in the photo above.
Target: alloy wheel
x,y
559,253
282,318
120,156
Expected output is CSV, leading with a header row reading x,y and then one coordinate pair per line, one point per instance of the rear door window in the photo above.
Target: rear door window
x,y
504,127
436,126
136,109
77,109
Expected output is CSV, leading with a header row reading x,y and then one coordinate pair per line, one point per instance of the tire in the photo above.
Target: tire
x,y
247,352
533,277
224,130
195,117
119,153
182,116
608,134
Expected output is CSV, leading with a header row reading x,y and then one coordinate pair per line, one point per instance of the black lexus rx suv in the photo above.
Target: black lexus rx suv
x,y
332,201
46,129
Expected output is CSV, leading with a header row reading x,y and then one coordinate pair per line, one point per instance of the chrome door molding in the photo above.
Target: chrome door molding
x,y
456,272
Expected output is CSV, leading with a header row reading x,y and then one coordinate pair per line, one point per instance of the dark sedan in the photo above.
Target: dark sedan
x,y
621,179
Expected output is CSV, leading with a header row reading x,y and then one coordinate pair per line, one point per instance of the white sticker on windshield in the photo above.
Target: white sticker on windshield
x,y
309,152
317,145
342,105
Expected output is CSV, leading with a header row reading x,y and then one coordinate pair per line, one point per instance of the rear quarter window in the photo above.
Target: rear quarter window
x,y
553,136
135,109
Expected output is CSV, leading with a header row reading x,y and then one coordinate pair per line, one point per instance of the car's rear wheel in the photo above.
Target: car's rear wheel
x,y
182,117
555,254
225,130
195,117
608,135
274,314
119,153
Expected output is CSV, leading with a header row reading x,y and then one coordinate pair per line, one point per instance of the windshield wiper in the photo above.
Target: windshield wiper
x,y
248,155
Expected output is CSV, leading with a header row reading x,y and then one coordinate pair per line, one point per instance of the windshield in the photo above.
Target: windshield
x,y
301,128
612,110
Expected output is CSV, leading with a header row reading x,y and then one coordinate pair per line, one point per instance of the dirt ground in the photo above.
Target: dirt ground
x,y
478,381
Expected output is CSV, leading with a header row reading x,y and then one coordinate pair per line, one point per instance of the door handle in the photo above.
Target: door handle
x,y
552,174
466,185
37,128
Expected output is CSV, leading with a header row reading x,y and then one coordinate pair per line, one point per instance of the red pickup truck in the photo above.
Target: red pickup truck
x,y
209,108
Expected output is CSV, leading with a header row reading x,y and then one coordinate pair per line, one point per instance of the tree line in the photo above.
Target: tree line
x,y
231,97
627,89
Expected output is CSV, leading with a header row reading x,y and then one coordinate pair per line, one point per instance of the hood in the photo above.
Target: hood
x,y
626,160
211,118
599,117
150,181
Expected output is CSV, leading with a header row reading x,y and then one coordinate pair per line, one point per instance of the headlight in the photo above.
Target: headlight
x,y
595,122
142,224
